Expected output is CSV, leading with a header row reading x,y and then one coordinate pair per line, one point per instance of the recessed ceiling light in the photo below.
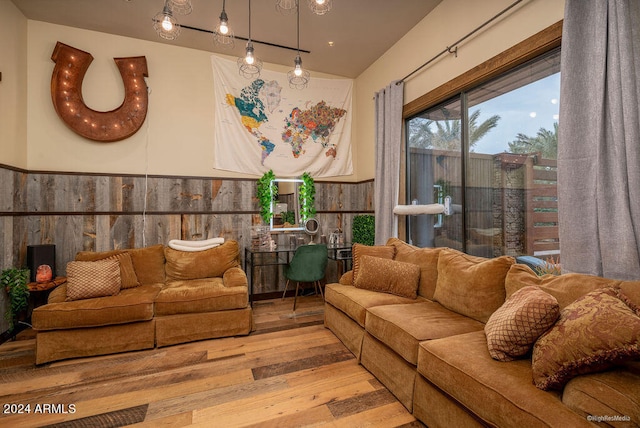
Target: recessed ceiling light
x,y
330,44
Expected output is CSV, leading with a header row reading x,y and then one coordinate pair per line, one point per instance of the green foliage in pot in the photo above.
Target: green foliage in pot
x,y
266,192
15,281
363,229
307,197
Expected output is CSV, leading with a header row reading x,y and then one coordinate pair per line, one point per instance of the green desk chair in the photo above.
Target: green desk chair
x,y
307,265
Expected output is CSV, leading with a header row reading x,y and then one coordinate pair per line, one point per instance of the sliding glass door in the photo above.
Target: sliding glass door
x,y
490,152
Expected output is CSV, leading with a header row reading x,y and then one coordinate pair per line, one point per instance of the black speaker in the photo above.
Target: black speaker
x,y
37,255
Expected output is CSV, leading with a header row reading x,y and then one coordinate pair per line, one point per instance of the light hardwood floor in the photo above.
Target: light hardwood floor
x,y
290,372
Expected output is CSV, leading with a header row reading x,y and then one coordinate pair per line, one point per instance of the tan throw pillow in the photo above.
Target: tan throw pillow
x,y
597,331
514,328
128,277
86,280
388,276
359,250
426,258
469,285
211,263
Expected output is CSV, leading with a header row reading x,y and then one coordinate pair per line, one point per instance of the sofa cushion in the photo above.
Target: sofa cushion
x,y
130,305
593,333
566,288
359,250
514,328
148,262
426,258
354,302
199,295
211,263
469,285
614,393
402,327
500,393
388,276
86,280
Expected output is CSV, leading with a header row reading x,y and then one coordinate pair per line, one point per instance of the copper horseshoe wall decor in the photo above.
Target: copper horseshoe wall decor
x,y
66,93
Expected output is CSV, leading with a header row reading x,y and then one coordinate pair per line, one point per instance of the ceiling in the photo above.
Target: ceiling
x,y
361,30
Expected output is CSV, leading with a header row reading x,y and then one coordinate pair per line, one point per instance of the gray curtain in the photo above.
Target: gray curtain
x,y
599,139
388,147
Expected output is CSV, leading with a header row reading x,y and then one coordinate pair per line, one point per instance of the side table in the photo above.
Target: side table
x,y
39,292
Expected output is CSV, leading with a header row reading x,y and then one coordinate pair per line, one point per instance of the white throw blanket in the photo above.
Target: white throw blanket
x,y
178,244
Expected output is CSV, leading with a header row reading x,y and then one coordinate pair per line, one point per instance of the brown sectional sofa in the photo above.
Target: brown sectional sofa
x,y
175,297
432,351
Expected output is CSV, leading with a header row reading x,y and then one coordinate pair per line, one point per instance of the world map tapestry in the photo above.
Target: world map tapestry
x,y
264,124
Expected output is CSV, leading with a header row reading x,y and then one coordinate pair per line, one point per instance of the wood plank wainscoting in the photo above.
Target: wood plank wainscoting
x,y
97,212
290,372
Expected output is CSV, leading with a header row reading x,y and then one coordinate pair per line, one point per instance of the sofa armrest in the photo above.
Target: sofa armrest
x,y
235,277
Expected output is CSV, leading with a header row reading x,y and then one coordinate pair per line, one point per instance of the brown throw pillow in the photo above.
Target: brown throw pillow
x,y
211,263
514,328
86,280
128,277
469,285
595,332
426,258
388,276
359,250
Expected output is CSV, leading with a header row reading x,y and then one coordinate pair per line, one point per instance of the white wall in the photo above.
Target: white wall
x,y
13,87
450,21
176,138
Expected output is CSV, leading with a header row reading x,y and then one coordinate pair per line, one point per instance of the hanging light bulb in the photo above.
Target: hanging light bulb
x,y
298,77
165,24
286,7
182,7
320,7
249,66
223,35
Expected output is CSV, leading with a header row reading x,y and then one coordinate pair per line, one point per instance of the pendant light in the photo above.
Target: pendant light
x,y
223,35
286,7
181,7
165,24
298,77
249,66
320,7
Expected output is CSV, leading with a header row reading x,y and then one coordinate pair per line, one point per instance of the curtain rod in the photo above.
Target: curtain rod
x,y
450,49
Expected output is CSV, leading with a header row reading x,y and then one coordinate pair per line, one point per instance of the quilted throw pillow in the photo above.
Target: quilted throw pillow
x,y
388,276
597,331
86,280
514,328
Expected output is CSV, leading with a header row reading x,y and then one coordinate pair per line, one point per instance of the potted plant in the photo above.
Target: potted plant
x,y
266,193
14,281
307,197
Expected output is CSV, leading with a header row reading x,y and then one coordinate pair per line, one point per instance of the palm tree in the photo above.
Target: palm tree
x,y
545,142
447,133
